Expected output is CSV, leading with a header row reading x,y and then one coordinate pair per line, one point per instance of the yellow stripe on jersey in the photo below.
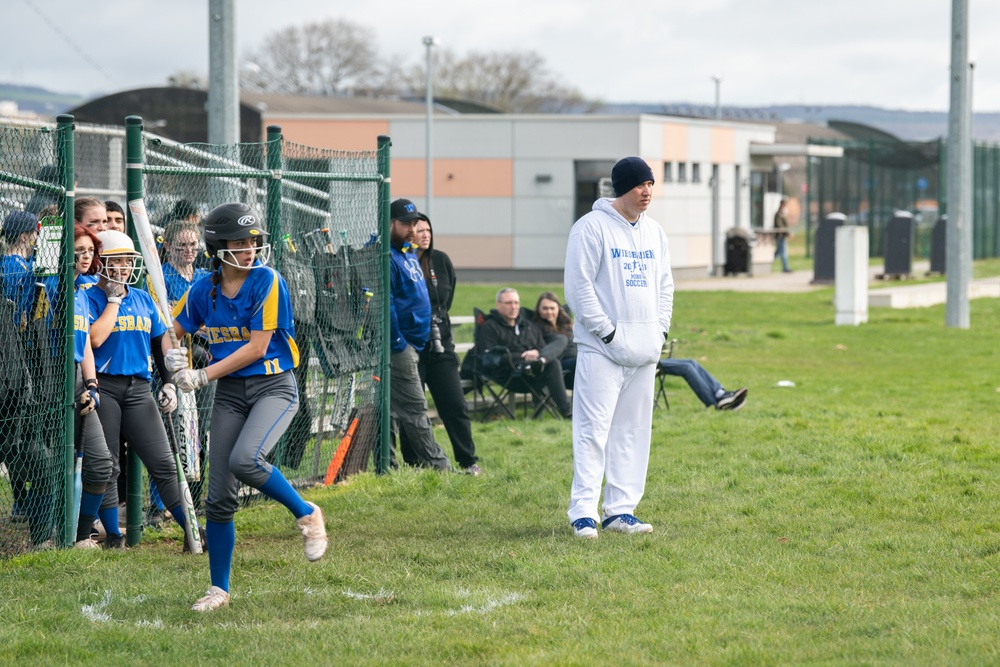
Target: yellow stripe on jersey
x,y
270,318
179,306
294,349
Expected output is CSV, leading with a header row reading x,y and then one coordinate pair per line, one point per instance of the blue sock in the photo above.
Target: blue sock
x,y
278,488
178,514
222,540
154,496
109,518
90,503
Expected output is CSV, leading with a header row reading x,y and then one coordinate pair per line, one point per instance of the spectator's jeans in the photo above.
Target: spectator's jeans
x,y
701,382
781,251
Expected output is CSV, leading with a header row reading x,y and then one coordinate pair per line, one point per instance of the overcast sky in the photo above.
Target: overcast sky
x,y
890,53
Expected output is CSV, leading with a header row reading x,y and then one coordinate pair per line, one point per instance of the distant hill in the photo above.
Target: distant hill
x,y
40,101
907,125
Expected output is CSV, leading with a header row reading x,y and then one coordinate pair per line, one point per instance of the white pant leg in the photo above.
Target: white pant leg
x,y
596,390
627,450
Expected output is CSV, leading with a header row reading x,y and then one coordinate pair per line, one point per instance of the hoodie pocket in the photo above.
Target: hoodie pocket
x,y
636,344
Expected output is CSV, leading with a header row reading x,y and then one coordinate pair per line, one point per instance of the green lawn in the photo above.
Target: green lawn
x,y
852,519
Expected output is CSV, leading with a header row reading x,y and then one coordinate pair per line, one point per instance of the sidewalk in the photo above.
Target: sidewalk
x,y
796,281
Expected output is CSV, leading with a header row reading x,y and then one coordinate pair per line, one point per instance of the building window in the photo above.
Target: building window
x,y
668,172
682,175
695,172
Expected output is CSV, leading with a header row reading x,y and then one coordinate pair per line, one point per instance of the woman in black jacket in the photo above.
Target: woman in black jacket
x,y
438,361
553,320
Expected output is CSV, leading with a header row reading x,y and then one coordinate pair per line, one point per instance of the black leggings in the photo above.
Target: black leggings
x,y
127,408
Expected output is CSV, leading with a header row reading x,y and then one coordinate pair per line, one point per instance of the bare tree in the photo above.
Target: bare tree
x,y
187,79
322,57
513,81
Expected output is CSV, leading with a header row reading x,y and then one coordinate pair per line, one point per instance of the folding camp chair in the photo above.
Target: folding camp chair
x,y
661,377
498,378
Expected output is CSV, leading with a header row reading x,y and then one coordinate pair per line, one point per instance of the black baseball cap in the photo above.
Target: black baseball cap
x,y
405,211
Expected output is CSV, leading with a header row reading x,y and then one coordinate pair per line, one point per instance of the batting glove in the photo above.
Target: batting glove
x,y
167,398
90,399
176,359
114,291
188,379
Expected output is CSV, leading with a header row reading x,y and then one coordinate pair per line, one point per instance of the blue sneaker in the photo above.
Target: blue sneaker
x,y
585,528
626,523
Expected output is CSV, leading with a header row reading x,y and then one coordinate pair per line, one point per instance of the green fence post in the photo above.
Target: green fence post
x,y
384,143
133,184
273,148
65,157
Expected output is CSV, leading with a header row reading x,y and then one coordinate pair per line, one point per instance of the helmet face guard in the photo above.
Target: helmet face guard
x,y
123,268
261,250
120,262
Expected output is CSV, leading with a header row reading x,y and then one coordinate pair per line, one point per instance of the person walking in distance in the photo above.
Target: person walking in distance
x,y
782,234
246,310
620,288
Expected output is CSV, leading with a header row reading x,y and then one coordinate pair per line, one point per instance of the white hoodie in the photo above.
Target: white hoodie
x,y
618,279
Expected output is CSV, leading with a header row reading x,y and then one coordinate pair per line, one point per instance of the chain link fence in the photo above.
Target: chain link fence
x,y
327,216
36,366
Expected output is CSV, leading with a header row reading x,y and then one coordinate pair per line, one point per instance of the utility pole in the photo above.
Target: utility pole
x,y
717,78
958,250
223,82
430,43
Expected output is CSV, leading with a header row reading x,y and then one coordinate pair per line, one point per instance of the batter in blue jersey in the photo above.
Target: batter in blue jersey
x,y
246,311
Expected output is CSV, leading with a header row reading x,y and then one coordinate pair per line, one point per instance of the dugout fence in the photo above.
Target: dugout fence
x,y
326,212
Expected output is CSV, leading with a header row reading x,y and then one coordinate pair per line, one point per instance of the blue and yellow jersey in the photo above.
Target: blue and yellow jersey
x,y
262,304
18,276
86,282
177,284
81,323
126,351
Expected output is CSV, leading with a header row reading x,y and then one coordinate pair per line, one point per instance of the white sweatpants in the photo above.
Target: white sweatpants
x,y
612,427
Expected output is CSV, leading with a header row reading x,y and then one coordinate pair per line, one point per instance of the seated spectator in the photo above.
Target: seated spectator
x,y
554,321
705,387
507,327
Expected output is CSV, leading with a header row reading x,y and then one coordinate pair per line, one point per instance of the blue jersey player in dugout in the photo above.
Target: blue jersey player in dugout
x,y
246,310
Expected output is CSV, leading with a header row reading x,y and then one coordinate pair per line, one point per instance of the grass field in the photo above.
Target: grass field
x,y
852,519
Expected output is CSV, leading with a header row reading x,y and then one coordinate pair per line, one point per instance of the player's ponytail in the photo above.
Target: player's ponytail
x,y
216,278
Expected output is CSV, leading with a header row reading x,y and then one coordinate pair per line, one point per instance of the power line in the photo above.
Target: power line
x,y
69,41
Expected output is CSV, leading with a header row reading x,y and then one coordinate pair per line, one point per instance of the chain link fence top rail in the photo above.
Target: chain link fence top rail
x,y
36,449
321,208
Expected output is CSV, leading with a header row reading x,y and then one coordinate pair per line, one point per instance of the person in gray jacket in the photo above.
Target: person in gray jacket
x,y
620,288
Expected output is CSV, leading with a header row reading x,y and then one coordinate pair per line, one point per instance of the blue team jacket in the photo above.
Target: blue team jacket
x,y
410,305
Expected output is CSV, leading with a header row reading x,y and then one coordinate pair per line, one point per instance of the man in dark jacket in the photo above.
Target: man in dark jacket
x,y
410,325
509,328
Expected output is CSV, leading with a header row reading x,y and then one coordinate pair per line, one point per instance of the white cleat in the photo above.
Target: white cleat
x,y
313,533
214,599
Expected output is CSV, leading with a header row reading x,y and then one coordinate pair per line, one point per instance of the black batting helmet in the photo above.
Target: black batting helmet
x,y
230,222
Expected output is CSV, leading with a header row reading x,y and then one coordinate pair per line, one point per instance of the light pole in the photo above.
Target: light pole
x,y
717,78
429,43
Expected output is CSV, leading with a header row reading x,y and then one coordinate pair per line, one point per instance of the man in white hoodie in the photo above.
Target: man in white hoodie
x,y
621,291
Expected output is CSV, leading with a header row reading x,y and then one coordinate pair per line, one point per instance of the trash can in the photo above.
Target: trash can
x,y
899,244
939,245
825,250
738,242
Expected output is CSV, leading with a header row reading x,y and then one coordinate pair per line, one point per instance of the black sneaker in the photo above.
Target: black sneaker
x,y
113,541
732,400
